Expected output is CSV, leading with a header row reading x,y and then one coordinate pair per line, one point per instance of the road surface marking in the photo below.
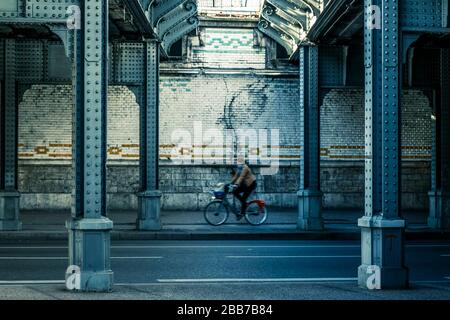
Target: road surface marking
x,y
24,282
34,258
222,246
169,281
445,255
66,258
136,257
284,257
256,280
428,245
196,246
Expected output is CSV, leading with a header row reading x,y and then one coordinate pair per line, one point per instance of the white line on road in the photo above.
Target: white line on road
x,y
427,245
286,257
224,246
65,258
445,255
196,247
33,258
220,280
255,280
136,257
25,282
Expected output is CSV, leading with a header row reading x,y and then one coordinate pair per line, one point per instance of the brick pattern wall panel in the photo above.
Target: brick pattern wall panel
x,y
228,48
45,123
229,104
123,124
342,125
217,102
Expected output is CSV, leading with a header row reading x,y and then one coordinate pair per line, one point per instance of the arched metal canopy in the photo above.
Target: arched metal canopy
x,y
171,19
288,21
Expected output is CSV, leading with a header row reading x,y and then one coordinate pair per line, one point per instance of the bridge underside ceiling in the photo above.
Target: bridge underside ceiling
x,y
164,20
340,22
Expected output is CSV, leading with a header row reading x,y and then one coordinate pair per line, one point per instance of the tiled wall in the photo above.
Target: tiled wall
x,y
228,48
217,102
342,125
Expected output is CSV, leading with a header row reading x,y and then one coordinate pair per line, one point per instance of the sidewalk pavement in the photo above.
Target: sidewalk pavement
x,y
231,291
191,225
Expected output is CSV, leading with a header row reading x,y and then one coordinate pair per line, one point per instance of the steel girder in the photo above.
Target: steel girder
x,y
309,194
293,29
89,229
287,21
9,196
8,128
439,217
50,10
183,12
149,195
382,228
172,19
177,32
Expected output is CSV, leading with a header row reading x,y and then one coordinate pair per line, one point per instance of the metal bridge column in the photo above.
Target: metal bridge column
x,y
9,195
382,227
89,229
439,217
309,194
150,196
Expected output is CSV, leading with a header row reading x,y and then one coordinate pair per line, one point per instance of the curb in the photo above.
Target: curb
x,y
183,235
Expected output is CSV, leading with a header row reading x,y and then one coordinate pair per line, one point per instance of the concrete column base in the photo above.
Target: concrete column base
x,y
149,211
310,210
9,211
382,248
439,216
89,249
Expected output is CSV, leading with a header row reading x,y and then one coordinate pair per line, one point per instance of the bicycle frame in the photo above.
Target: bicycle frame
x,y
227,203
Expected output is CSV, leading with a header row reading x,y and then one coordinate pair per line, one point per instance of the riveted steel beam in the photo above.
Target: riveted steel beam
x,y
9,196
179,14
66,37
160,8
140,17
300,14
149,196
280,37
439,216
282,19
89,229
177,32
382,228
48,10
312,6
270,13
309,194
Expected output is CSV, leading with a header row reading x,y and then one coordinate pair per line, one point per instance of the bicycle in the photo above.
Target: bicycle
x,y
218,210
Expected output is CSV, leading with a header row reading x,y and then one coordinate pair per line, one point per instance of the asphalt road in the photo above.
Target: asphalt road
x,y
181,264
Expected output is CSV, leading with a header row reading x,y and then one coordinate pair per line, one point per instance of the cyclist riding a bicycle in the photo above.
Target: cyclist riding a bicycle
x,y
245,181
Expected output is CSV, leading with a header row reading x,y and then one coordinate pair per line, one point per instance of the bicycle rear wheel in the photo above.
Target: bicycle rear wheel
x,y
255,214
216,213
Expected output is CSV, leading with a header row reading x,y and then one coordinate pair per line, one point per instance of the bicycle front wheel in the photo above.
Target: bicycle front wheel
x,y
216,213
255,214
